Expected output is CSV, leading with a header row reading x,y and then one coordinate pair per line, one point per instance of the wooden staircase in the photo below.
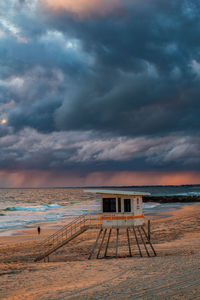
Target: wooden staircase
x,y
66,234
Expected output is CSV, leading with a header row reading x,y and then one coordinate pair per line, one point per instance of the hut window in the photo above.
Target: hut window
x,y
119,204
127,205
109,205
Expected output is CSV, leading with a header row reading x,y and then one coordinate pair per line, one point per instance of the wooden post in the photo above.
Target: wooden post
x,y
95,244
149,230
117,242
107,243
101,243
129,245
143,241
149,242
137,241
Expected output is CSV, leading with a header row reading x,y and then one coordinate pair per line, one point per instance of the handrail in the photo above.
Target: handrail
x,y
61,229
70,227
69,224
64,234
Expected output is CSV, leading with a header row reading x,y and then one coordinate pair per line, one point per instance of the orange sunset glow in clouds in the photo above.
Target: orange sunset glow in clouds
x,y
48,179
82,7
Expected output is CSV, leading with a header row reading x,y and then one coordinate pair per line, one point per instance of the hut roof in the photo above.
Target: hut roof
x,y
116,192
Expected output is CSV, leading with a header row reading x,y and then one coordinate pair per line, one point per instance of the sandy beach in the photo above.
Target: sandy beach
x,y
173,274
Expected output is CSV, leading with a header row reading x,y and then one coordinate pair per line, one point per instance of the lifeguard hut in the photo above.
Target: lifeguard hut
x,y
120,209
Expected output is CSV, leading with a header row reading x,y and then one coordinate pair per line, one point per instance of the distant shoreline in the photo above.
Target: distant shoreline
x,y
172,198
100,186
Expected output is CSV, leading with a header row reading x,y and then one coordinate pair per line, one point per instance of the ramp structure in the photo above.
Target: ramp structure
x,y
66,234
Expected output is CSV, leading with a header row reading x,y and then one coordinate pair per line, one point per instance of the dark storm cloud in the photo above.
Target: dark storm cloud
x,y
84,152
141,80
144,80
117,90
38,76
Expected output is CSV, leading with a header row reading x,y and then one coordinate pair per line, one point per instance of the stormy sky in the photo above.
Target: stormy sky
x,y
99,92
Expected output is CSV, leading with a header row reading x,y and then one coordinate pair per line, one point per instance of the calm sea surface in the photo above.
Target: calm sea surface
x,y
23,208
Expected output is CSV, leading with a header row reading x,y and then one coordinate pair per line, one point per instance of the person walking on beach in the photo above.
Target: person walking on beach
x,y
38,229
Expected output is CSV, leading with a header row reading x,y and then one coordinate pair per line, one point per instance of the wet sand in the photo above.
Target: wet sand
x,y
173,274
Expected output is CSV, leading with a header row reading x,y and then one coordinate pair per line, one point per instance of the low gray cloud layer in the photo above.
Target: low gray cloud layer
x,y
113,88
85,152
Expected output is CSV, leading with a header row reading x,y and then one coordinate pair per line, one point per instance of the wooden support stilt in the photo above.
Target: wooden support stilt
x,y
101,243
117,242
105,254
143,241
149,241
137,241
129,245
149,231
48,258
95,244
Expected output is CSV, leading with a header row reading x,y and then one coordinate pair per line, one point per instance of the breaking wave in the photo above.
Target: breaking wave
x,y
150,205
44,207
188,194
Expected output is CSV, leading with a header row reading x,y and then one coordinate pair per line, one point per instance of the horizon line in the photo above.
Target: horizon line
x,y
101,186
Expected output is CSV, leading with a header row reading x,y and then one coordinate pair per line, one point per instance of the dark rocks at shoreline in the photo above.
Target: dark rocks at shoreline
x,y
170,199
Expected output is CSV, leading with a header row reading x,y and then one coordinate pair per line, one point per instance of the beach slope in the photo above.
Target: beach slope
x,y
173,274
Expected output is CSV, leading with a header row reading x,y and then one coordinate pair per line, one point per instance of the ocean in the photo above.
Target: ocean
x,y
25,208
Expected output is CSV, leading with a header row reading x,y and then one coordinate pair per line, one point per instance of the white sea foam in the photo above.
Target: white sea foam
x,y
33,208
21,216
11,221
150,205
188,194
